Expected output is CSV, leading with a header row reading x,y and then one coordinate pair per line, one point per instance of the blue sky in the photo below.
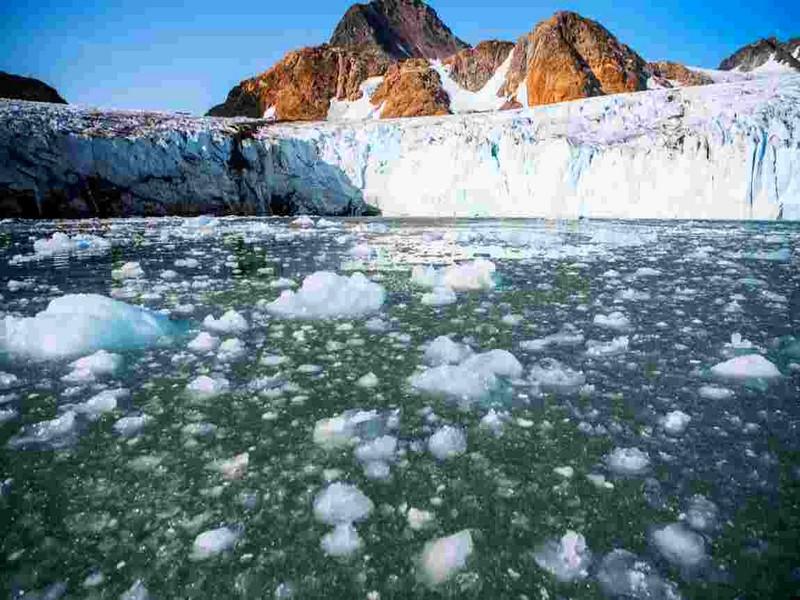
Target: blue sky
x,y
186,55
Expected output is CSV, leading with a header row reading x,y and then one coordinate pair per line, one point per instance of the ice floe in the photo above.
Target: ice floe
x,y
214,542
553,376
447,442
749,366
628,461
675,422
622,574
82,323
342,541
205,387
53,434
680,545
341,503
231,322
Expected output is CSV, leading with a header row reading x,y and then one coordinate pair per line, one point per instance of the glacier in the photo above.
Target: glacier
x,y
724,151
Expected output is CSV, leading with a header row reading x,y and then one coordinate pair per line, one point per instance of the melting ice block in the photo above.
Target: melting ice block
x,y
215,541
78,324
326,295
443,557
341,503
567,559
749,366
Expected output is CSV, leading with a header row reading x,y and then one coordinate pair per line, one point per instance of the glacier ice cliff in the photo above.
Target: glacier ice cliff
x,y
723,151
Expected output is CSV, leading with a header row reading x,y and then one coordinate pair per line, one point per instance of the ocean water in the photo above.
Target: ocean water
x,y
291,453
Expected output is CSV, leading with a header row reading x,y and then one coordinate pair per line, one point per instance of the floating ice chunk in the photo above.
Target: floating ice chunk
x,y
675,422
368,381
377,469
7,415
231,350
273,360
680,545
187,263
55,433
136,592
568,558
303,222
553,376
204,387
8,380
341,430
418,519
424,276
443,557
565,472
376,325
475,275
471,379
61,243
702,514
101,403
379,449
95,365
131,426
749,366
341,503
647,272
326,295
568,336
203,343
342,541
628,461
623,575
616,346
234,468
439,296
82,323
130,270
215,541
631,294
282,284
713,392
599,481
615,320
494,422
444,351
447,442
231,322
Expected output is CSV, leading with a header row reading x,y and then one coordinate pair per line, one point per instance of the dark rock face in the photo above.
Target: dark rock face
x,y
758,53
472,68
15,87
399,28
568,57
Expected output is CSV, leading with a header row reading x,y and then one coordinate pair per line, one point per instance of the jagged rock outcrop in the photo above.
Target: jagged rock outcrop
x,y
568,57
759,53
411,89
678,73
398,28
15,87
472,68
301,86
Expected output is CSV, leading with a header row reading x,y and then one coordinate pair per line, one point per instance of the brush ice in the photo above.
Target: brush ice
x,y
567,559
680,545
444,351
624,575
231,350
99,364
749,366
469,276
8,380
129,270
628,461
439,296
713,392
341,503
344,429
137,591
380,449
702,514
445,556
599,349
554,376
203,343
447,442
471,379
615,320
103,402
132,425
82,323
213,542
204,387
342,541
61,243
418,519
231,322
52,434
326,295
568,336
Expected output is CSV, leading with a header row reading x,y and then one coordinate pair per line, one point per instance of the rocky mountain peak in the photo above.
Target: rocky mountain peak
x,y
763,53
16,87
401,29
569,56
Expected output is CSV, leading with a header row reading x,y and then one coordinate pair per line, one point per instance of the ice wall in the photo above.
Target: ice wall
x,y
725,151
